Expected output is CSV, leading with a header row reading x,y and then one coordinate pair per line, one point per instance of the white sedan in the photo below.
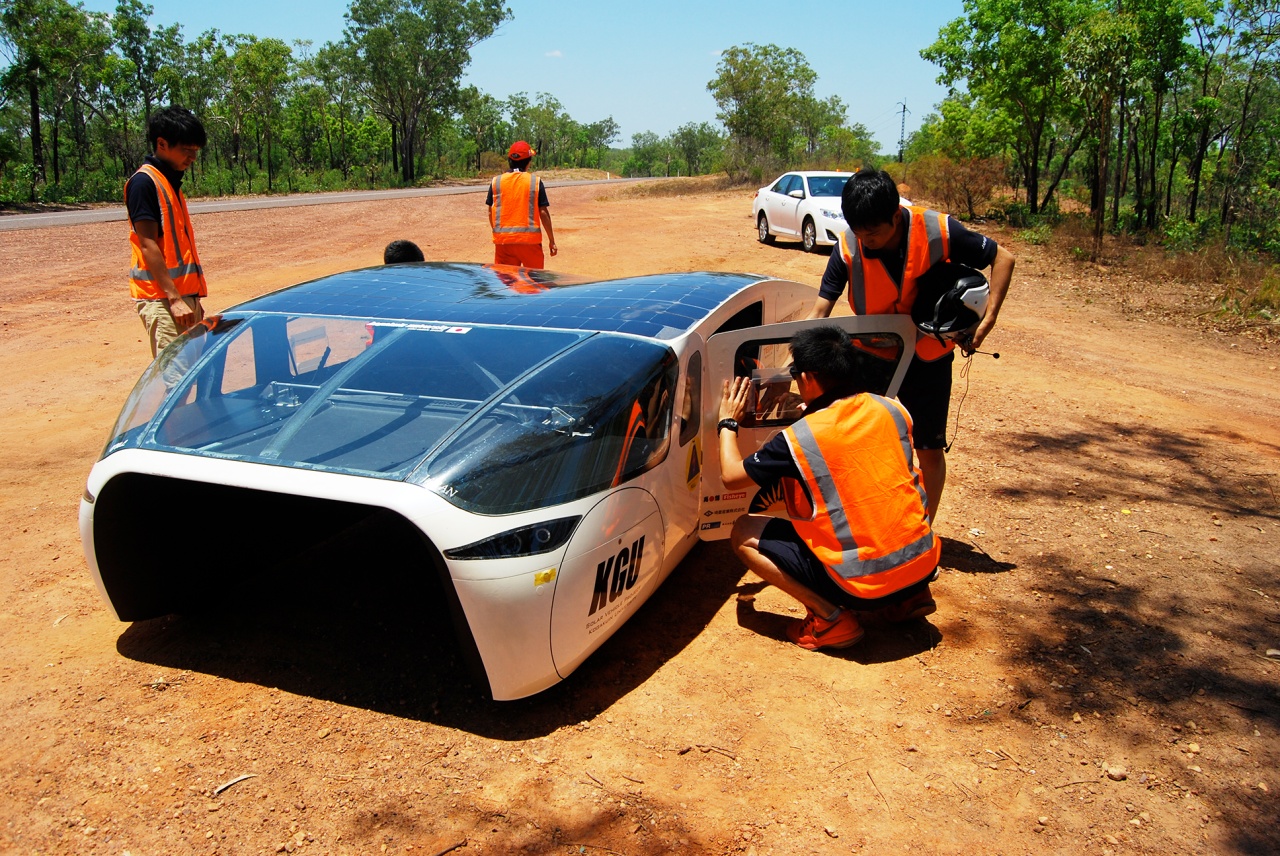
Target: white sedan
x,y
541,448
801,205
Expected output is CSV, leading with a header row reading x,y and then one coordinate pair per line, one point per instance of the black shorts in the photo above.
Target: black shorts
x,y
926,393
780,542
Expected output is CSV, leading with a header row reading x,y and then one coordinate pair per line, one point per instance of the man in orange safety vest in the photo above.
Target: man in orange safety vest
x,y
889,246
166,280
858,540
519,211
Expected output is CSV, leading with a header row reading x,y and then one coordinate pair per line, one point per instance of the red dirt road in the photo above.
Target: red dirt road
x,y
1095,679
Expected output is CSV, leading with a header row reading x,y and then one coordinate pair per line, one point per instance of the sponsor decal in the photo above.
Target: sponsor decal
x,y
726,497
723,511
439,328
714,524
616,575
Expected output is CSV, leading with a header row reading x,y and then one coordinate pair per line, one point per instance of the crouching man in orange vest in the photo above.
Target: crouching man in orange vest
x,y
517,203
165,277
859,539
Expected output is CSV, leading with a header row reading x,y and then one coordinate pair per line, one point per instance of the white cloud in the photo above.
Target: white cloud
x,y
555,54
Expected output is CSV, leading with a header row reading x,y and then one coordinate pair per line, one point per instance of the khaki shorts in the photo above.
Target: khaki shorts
x,y
161,328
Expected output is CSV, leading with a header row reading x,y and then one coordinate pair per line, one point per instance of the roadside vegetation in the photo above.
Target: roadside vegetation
x,y
1152,124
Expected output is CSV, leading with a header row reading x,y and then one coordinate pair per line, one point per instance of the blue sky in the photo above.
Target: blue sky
x,y
648,64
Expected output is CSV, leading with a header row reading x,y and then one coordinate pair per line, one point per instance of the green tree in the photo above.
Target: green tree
x,y
761,91
45,42
700,144
1009,54
412,54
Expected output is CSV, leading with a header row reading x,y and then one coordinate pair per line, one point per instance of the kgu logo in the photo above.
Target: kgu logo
x,y
617,574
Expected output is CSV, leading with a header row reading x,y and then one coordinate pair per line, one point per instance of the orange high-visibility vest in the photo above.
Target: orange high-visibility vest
x,y
872,290
178,243
513,216
870,520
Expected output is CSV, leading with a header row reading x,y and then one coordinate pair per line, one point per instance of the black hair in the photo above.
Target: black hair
x,y
401,251
870,198
826,353
518,164
178,126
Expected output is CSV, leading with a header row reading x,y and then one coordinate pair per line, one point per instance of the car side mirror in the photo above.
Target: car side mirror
x,y
796,194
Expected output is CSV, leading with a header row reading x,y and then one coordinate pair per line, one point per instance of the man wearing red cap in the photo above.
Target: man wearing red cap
x,y
517,203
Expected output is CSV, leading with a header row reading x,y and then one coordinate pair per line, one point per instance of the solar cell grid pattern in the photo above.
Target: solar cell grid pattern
x,y
660,306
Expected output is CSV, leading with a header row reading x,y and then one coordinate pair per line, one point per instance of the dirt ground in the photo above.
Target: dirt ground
x,y
1095,680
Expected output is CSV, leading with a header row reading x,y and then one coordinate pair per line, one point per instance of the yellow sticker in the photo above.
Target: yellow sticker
x,y
541,578
693,469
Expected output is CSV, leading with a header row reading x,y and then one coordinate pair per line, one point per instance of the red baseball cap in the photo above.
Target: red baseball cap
x,y
520,151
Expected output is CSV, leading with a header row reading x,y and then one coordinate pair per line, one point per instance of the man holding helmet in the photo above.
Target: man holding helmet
x,y
891,253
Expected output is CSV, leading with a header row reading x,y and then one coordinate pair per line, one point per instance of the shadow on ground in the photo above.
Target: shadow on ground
x,y
386,644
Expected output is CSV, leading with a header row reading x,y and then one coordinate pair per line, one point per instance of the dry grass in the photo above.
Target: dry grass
x,y
1217,285
687,186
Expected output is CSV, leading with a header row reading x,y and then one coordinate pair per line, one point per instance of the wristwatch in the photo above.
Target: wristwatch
x,y
731,424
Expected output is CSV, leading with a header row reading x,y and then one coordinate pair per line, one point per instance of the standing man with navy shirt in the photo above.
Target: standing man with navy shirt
x,y
888,247
166,279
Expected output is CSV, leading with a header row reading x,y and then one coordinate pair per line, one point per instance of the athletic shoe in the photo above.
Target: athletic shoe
x,y
916,606
813,631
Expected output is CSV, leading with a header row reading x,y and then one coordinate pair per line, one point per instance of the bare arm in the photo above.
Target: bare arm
x,y
821,309
733,405
1001,274
544,214
148,232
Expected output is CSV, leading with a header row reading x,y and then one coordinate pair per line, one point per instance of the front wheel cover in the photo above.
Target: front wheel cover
x,y
810,236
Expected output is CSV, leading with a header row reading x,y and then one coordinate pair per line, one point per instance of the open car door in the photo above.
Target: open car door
x,y
762,354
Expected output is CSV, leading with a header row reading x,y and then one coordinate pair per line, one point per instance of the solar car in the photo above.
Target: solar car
x,y
548,442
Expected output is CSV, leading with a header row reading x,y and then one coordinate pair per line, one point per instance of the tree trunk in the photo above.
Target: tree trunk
x,y
37,141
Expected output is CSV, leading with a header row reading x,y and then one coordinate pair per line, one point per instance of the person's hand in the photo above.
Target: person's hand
x,y
733,400
183,315
552,247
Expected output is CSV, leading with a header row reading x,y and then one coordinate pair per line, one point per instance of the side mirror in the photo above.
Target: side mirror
x,y
796,194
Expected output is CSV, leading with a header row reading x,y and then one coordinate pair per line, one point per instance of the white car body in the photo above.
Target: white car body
x,y
803,206
338,409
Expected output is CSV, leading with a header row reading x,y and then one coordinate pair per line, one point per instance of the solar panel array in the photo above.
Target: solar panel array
x,y
661,306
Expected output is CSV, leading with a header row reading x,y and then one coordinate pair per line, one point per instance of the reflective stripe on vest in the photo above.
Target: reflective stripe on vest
x,y
831,534
872,291
178,243
514,213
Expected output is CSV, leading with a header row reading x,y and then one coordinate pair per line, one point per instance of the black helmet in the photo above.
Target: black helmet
x,y
951,300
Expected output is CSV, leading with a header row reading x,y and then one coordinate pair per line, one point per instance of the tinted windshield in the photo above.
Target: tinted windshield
x,y
827,185
332,393
595,417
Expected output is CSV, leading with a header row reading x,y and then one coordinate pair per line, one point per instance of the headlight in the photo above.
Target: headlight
x,y
525,541
832,215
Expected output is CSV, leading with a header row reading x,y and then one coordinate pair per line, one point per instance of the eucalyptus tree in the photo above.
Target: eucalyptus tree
x,y
1009,53
412,54
46,42
761,91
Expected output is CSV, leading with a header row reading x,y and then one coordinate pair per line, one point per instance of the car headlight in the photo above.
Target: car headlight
x,y
525,541
831,215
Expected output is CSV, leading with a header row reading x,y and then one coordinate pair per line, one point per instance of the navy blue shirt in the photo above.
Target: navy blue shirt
x,y
967,248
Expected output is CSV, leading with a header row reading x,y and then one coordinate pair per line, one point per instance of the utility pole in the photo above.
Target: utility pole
x,y
902,134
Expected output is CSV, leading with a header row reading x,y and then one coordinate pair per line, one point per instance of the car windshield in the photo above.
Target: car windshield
x,y
338,394
593,418
827,185
494,419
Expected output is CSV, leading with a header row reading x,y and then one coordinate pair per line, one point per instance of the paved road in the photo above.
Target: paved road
x,y
14,222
